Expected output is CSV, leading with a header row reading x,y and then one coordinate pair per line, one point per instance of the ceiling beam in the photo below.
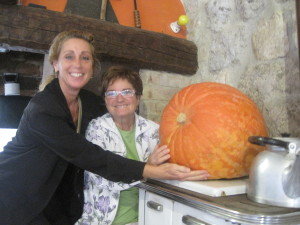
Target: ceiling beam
x,y
34,28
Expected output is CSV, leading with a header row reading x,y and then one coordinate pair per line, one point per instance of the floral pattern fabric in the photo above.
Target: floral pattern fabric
x,y
101,196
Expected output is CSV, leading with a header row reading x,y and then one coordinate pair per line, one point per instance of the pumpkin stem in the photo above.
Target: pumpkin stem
x,y
181,118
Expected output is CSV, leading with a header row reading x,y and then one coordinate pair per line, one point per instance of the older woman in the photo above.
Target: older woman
x,y
127,134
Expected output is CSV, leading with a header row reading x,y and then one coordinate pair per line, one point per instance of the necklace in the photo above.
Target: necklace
x,y
76,112
73,107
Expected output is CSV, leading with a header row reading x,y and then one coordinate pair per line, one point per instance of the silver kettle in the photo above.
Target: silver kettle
x,y
274,177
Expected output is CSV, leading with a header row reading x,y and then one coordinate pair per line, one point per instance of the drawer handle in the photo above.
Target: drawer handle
x,y
155,206
189,220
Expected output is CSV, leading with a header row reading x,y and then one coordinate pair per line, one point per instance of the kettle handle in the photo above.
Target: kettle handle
x,y
258,140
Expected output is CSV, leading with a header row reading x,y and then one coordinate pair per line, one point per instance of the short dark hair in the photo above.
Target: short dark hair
x,y
121,72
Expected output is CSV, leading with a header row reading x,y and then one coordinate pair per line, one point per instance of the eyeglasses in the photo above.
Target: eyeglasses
x,y
125,93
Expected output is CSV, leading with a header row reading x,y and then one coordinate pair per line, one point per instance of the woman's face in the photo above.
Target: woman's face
x,y
75,64
121,107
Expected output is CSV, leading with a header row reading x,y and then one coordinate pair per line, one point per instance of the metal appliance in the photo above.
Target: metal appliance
x,y
11,111
201,208
274,177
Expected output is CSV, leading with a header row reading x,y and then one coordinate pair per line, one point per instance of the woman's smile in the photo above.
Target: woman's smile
x,y
76,74
75,65
120,106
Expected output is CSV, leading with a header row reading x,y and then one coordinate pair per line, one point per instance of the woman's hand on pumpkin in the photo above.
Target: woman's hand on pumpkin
x,y
170,171
159,155
197,175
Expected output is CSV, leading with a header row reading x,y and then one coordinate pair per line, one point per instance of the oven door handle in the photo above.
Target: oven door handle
x,y
190,220
155,206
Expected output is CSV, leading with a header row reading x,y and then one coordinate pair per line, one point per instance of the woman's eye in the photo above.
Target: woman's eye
x,y
69,57
86,58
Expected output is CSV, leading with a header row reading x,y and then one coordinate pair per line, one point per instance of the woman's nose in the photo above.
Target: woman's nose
x,y
77,62
120,97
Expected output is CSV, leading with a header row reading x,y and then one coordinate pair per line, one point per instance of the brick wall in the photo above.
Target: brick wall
x,y
29,66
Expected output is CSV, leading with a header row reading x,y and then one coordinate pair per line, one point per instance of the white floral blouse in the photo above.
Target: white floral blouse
x,y
101,196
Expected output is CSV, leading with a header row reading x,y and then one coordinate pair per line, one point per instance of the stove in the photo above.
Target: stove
x,y
203,201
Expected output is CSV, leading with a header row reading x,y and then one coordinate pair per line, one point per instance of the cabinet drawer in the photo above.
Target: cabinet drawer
x,y
186,215
158,210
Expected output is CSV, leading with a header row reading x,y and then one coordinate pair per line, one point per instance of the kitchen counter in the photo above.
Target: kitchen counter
x,y
237,209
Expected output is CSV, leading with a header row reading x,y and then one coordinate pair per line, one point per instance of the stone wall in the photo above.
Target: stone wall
x,y
251,45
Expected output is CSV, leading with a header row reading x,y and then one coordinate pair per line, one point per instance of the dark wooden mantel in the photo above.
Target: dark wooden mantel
x,y
34,28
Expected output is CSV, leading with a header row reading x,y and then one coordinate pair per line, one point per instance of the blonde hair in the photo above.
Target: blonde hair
x,y
44,83
56,47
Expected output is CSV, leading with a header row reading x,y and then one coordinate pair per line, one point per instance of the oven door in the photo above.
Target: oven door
x,y
11,110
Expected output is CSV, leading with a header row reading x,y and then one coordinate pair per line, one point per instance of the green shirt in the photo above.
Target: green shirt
x,y
129,199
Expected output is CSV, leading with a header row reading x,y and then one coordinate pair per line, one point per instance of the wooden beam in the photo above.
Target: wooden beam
x,y
8,2
35,28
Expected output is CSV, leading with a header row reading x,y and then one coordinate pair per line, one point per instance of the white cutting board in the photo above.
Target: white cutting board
x,y
214,188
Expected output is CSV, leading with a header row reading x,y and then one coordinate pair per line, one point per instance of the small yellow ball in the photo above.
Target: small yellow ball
x,y
183,20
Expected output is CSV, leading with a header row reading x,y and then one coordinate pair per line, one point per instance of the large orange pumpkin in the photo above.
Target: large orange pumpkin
x,y
207,125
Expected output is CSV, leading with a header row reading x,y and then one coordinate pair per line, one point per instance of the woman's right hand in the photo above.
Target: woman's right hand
x,y
170,171
159,155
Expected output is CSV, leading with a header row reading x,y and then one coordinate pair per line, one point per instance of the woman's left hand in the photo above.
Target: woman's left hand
x,y
171,171
159,155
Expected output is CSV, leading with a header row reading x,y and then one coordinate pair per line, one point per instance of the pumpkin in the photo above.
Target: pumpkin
x,y
206,127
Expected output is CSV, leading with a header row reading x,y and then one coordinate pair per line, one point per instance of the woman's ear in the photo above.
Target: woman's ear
x,y
55,66
138,100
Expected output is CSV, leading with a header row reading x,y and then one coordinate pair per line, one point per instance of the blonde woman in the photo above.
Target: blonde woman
x,y
41,168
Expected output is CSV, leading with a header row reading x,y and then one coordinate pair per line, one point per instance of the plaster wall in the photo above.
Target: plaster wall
x,y
250,45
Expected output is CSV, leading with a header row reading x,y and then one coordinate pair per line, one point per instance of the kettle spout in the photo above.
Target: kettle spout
x,y
291,179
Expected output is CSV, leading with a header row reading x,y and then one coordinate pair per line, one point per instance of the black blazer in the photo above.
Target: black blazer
x,y
45,155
